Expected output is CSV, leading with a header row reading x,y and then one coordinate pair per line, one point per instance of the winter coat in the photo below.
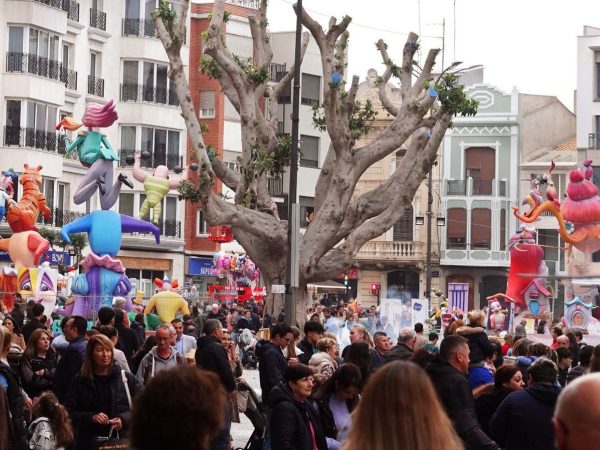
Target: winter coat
x,y
487,404
455,393
326,416
151,364
34,384
479,343
289,422
323,365
524,419
30,327
16,404
400,352
140,331
271,367
212,356
7,432
68,366
576,372
128,341
82,403
307,351
42,435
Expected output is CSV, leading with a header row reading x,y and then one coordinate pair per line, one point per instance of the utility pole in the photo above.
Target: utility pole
x,y
429,224
292,265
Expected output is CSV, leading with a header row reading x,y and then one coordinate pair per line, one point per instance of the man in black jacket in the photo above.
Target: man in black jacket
x,y
448,375
72,360
271,362
128,339
212,356
405,348
313,331
35,322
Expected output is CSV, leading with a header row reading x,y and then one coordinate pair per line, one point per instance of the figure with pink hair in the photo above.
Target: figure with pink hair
x,y
96,153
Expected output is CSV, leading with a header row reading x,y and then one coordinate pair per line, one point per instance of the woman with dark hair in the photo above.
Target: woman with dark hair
x,y
38,364
508,378
359,355
335,401
573,348
99,398
144,349
17,338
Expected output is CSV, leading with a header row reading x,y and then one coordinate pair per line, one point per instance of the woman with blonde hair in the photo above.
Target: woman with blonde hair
x,y
99,399
323,363
358,333
388,418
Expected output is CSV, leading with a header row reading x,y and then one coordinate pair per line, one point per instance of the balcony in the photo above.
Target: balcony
x,y
275,186
157,159
252,4
133,92
96,86
59,217
69,77
31,138
72,9
276,71
391,251
138,28
476,187
34,65
97,19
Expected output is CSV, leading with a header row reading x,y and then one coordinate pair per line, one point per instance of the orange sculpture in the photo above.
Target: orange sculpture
x,y
23,215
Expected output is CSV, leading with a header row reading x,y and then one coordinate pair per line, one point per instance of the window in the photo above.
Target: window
x,y
311,89
15,39
126,204
307,211
597,140
403,229
481,228
234,165
286,94
310,151
480,165
597,56
48,191
13,123
129,89
201,225
207,104
456,228
503,230
41,120
162,145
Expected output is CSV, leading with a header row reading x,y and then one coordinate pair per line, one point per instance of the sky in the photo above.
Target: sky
x,y
530,44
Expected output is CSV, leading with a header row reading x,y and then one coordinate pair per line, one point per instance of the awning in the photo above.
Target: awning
x,y
323,285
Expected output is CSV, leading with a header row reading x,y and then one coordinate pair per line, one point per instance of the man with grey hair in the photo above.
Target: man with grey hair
x,y
405,348
161,357
578,413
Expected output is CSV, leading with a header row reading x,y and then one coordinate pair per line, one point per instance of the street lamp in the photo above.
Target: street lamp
x,y
419,220
440,221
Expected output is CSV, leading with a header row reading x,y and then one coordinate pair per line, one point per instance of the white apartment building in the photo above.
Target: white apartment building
x,y
62,54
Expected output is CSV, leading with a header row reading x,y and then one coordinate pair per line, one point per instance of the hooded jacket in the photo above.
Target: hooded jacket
x,y
289,422
479,344
151,364
83,402
455,393
271,367
524,419
212,356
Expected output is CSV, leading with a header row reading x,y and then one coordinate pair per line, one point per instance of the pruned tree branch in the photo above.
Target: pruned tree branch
x,y
385,78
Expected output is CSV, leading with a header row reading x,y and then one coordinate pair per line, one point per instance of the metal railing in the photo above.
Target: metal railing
x,y
280,127
156,159
96,86
58,4
30,137
482,187
59,217
33,64
275,186
391,251
253,4
72,9
138,28
277,71
69,77
98,19
133,92
168,228
456,187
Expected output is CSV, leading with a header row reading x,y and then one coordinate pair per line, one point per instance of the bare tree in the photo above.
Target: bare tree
x,y
342,224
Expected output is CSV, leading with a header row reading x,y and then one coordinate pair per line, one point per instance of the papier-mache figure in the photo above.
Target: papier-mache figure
x,y
167,302
156,186
96,153
22,215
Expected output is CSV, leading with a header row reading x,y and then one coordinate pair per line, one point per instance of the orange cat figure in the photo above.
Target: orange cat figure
x,y
23,215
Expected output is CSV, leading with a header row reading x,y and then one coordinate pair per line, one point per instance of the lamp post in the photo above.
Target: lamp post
x,y
292,270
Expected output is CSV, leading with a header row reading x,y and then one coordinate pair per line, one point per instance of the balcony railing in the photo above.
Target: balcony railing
x,y
96,86
59,217
72,9
30,137
133,92
276,71
98,19
280,127
391,251
482,187
157,159
138,28
253,4
33,64
275,186
59,4
69,77
476,187
168,228
456,187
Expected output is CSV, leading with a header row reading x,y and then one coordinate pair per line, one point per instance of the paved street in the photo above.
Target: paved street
x,y
241,431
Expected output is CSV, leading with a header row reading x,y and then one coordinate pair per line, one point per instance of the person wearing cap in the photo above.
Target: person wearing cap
x,y
293,424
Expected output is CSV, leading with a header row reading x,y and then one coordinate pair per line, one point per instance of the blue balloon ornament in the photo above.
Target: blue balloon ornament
x,y
336,78
432,91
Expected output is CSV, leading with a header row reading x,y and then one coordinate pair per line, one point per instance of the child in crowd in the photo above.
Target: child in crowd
x,y
51,427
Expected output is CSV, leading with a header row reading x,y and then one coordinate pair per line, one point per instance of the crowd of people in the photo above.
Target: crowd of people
x,y
345,380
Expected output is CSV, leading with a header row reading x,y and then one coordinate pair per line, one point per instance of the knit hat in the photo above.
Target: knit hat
x,y
296,372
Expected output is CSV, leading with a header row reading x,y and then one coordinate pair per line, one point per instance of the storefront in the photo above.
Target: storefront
x,y
199,274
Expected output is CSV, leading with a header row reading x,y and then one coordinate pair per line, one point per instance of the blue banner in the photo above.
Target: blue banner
x,y
201,267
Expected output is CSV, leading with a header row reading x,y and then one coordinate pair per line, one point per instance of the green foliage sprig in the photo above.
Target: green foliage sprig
x,y
168,16
453,98
360,121
209,67
257,76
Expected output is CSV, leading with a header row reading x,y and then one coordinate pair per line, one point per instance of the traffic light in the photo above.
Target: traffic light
x,y
374,289
346,280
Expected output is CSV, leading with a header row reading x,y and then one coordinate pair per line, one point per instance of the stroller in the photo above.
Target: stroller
x,y
254,412
246,342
